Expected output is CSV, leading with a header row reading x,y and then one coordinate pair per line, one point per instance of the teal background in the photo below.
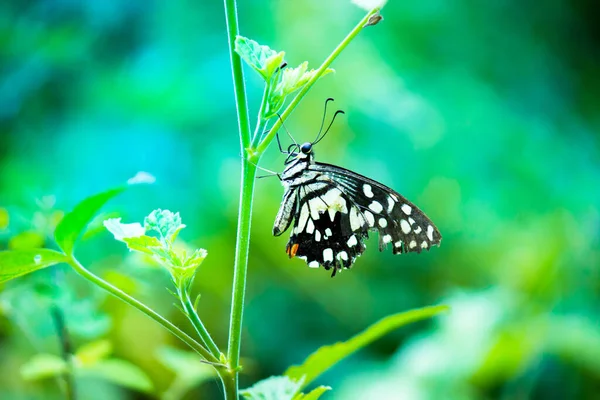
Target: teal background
x,y
485,114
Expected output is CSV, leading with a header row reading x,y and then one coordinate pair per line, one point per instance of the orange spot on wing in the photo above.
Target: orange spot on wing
x,y
292,250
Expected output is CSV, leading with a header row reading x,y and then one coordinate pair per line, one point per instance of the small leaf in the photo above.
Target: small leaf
x,y
292,79
144,244
15,263
72,225
42,366
327,356
314,394
120,372
121,231
262,59
91,353
273,388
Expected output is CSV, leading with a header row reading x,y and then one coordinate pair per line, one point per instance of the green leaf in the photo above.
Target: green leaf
x,y
72,225
144,244
314,394
327,356
15,263
42,366
273,388
262,59
292,79
91,353
121,231
120,372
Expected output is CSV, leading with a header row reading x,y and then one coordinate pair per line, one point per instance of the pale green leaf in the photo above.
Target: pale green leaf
x,y
15,263
121,231
262,59
327,356
144,244
91,353
273,388
42,366
314,394
73,223
120,372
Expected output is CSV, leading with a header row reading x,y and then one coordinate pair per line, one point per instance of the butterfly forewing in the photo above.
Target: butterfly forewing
x,y
398,220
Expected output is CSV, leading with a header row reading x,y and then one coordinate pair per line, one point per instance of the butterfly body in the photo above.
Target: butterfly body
x,y
333,209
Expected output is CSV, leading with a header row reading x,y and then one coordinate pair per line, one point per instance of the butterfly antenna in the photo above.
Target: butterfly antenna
x,y
323,120
286,131
329,126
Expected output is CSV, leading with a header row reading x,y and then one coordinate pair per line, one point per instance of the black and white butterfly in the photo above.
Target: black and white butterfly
x,y
333,210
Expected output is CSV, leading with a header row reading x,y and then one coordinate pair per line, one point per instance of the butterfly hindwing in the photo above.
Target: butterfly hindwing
x,y
397,220
322,232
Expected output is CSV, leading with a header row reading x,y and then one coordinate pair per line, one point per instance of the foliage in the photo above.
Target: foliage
x,y
484,114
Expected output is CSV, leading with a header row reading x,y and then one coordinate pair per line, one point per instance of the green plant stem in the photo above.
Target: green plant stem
x,y
320,71
238,74
240,267
190,312
81,270
261,122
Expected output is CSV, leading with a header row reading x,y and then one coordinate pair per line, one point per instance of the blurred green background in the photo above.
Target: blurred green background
x,y
485,114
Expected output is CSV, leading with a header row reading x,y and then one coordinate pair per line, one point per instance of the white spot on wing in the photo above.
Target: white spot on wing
x,y
398,243
328,233
343,255
430,232
352,241
368,190
407,209
310,227
304,213
387,238
424,244
317,236
313,264
412,244
404,226
418,230
382,222
327,255
376,206
391,203
356,219
370,218
411,221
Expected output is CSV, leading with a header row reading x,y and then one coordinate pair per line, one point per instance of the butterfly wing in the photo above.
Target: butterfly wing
x,y
322,232
397,220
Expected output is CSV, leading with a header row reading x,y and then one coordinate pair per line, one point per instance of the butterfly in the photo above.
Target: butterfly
x,y
333,209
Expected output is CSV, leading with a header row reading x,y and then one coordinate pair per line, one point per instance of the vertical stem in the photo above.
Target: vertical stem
x,y
238,75
240,267
67,351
